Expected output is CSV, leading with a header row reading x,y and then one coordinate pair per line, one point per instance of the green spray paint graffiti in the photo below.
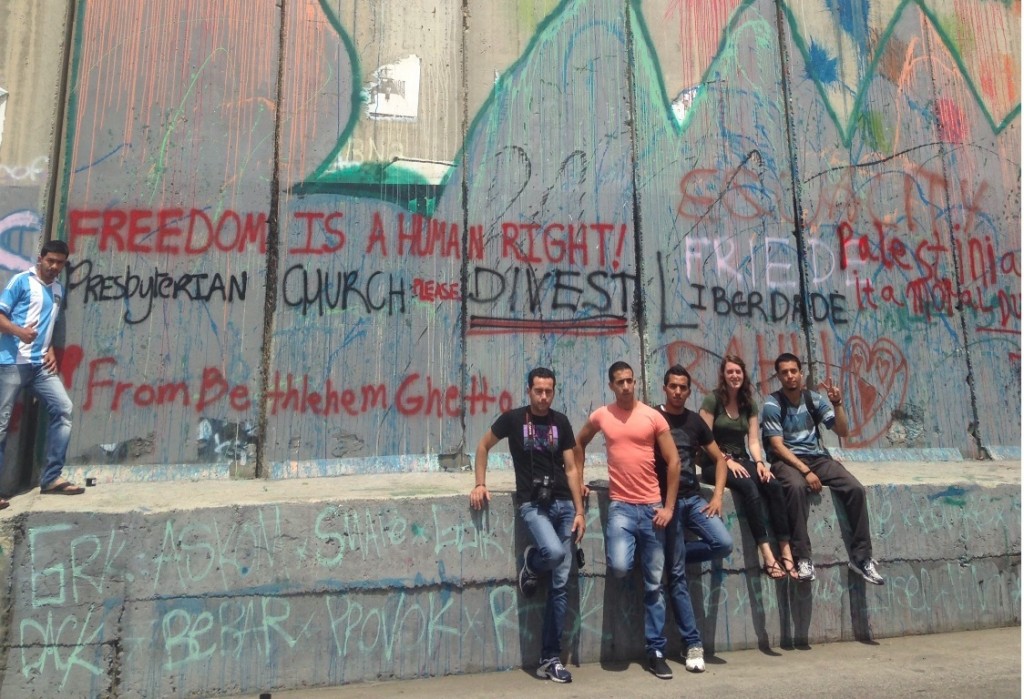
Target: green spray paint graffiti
x,y
841,64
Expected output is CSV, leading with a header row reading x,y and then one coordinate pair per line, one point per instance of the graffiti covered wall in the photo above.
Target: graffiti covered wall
x,y
274,596
331,234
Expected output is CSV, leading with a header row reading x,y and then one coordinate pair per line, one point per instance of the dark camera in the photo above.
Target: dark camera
x,y
581,560
542,490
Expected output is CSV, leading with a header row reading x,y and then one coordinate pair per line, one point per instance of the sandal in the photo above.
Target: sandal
x,y
63,488
789,566
774,570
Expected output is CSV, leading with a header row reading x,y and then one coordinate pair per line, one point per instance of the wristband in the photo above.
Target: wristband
x,y
481,485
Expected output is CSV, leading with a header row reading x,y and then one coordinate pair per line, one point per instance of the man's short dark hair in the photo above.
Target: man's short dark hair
x,y
540,372
616,368
677,370
57,246
787,357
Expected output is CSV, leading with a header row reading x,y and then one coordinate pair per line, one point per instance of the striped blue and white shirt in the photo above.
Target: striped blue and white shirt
x,y
798,434
26,300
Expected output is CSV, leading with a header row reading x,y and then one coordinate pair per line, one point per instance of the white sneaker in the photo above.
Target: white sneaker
x,y
695,658
867,570
805,570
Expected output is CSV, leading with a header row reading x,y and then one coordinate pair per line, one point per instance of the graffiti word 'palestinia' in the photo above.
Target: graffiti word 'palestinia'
x,y
151,286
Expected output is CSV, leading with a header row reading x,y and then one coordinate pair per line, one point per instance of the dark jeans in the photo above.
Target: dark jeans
x,y
843,484
750,492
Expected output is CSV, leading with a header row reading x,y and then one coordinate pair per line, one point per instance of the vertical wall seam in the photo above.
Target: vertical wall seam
x,y
272,259
798,210
639,307
974,429
60,128
464,266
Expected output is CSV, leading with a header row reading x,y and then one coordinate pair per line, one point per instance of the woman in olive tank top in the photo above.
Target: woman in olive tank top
x,y
731,413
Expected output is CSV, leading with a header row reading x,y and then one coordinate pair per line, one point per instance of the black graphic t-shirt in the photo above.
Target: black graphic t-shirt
x,y
689,432
536,445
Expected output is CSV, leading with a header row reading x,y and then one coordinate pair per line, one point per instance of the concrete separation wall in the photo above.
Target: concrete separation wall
x,y
330,234
343,580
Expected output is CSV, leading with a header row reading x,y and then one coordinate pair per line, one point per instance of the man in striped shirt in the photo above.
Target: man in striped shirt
x,y
29,306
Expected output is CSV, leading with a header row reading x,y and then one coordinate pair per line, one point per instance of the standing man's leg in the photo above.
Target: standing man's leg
x,y
678,589
620,537
651,549
10,385
50,390
689,516
551,530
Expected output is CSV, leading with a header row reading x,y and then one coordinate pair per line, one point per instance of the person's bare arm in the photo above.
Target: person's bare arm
x,y
585,437
50,361
764,473
579,522
835,397
480,495
27,334
714,506
671,455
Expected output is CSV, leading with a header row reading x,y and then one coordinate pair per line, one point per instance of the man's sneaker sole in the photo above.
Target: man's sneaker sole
x,y
527,578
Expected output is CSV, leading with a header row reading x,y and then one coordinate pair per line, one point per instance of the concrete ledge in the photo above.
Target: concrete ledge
x,y
143,590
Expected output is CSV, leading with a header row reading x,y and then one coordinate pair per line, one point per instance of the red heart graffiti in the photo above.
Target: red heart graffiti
x,y
875,379
69,359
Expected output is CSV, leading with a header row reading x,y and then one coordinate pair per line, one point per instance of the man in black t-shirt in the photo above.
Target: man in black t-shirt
x,y
549,501
693,513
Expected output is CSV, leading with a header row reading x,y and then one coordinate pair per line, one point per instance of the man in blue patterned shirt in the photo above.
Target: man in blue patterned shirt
x,y
789,424
29,307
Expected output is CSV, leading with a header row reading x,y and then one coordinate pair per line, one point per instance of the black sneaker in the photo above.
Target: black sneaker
x,y
553,669
527,578
658,667
868,571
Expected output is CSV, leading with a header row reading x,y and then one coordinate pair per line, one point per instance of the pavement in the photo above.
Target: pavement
x,y
971,664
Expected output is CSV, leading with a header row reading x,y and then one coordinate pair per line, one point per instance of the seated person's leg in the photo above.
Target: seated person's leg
x,y
713,538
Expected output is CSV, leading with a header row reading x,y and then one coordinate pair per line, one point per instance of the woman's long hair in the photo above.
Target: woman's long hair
x,y
745,394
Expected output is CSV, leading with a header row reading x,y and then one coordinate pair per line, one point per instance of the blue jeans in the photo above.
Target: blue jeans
x,y
631,530
713,538
550,528
713,541
50,390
